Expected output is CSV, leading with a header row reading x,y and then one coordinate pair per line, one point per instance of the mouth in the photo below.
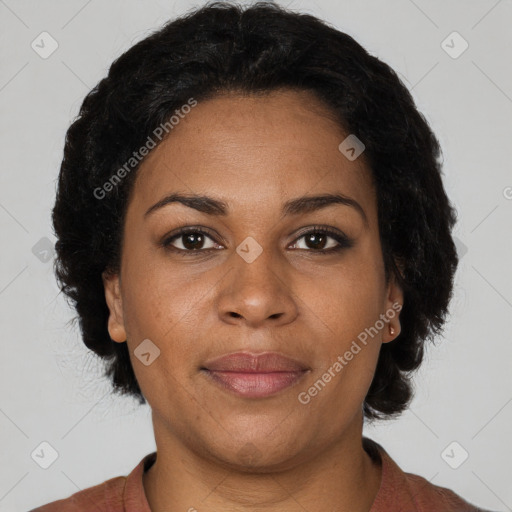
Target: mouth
x,y
252,384
254,375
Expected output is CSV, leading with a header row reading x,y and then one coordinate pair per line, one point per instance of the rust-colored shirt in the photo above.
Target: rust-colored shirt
x,y
398,492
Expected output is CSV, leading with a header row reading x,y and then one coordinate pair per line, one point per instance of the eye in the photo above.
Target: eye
x,y
189,240
318,237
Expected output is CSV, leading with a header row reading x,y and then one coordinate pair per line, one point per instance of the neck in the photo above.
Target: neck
x,y
342,477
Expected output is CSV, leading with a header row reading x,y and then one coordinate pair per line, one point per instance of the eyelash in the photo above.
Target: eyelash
x,y
344,241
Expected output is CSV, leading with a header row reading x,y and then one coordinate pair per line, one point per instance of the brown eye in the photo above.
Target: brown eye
x,y
316,240
190,240
193,240
324,240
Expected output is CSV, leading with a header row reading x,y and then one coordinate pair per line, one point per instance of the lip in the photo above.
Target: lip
x,y
254,375
246,362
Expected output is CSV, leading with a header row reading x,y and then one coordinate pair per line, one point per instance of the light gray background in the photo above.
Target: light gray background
x,y
51,388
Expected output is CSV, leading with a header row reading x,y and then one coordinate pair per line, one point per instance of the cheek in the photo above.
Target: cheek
x,y
158,309
163,306
347,307
349,300
156,297
350,348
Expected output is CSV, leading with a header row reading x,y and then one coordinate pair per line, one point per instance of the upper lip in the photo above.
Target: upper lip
x,y
249,362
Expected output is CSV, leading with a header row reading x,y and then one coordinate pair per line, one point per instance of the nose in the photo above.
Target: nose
x,y
257,294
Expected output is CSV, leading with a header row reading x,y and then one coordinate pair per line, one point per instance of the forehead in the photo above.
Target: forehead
x,y
254,150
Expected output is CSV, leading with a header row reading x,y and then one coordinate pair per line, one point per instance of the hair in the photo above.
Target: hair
x,y
222,48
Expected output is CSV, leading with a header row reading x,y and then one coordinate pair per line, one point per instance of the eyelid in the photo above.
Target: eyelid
x,y
333,232
343,240
184,230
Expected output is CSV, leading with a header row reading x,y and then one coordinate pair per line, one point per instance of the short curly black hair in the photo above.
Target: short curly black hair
x,y
224,47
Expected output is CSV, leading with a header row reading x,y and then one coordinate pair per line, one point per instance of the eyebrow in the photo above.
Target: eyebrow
x,y
300,205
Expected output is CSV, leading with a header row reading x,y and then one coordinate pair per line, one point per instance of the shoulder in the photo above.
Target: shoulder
x,y
114,495
406,491
428,496
107,496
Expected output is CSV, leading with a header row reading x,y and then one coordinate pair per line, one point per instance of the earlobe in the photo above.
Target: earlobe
x,y
394,305
113,298
393,331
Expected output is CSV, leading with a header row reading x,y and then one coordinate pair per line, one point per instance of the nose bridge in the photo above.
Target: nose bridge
x,y
255,269
255,291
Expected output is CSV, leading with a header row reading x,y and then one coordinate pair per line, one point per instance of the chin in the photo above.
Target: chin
x,y
258,453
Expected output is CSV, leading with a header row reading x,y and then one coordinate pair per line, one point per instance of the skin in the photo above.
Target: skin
x,y
218,451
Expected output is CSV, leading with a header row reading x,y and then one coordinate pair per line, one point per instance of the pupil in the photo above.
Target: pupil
x,y
193,240
316,239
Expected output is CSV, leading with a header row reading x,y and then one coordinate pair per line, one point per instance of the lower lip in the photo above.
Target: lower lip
x,y
255,385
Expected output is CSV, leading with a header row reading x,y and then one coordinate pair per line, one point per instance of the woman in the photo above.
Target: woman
x,y
253,229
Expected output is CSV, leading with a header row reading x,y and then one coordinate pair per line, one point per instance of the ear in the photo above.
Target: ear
x,y
394,303
112,288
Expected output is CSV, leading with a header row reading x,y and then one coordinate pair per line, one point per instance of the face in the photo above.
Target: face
x,y
257,272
